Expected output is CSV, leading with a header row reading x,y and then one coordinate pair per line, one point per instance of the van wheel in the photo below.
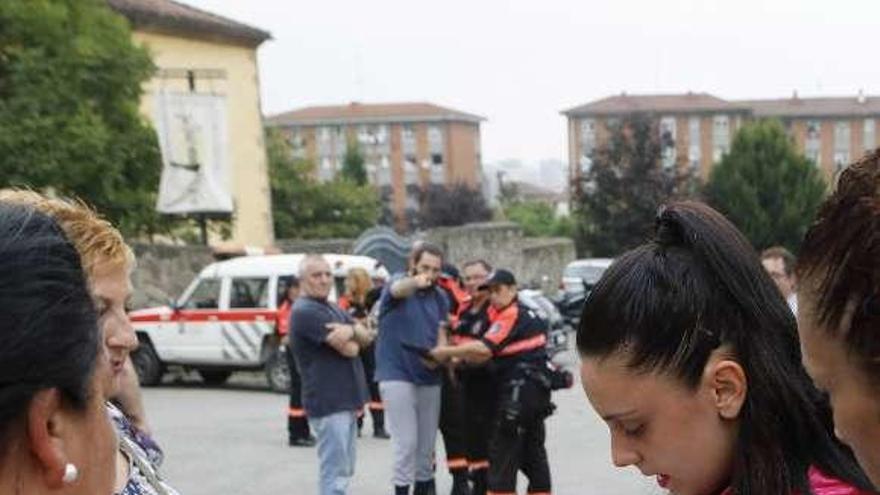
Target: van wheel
x,y
215,377
277,372
147,364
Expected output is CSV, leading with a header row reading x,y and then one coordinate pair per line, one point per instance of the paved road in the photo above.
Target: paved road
x,y
232,440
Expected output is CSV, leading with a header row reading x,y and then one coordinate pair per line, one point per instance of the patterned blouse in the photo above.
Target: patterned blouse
x,y
144,458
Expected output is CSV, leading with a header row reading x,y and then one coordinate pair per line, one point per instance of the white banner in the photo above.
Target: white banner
x,y
195,159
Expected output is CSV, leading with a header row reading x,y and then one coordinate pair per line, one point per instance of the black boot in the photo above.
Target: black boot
x,y
425,488
460,484
401,490
379,423
480,482
379,432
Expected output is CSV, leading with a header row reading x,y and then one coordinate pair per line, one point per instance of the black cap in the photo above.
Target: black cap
x,y
449,270
499,277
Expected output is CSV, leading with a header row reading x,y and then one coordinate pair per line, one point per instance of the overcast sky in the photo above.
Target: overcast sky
x,y
518,63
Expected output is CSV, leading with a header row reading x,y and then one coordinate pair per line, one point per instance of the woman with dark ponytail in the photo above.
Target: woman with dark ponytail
x,y
55,435
690,354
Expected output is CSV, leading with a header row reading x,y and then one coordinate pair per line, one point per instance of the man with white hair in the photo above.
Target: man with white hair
x,y
327,343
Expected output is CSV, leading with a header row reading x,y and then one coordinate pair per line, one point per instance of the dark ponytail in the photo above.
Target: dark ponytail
x,y
48,331
696,286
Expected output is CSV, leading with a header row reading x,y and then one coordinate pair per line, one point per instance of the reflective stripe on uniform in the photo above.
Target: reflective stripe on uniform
x,y
296,412
457,463
524,345
478,465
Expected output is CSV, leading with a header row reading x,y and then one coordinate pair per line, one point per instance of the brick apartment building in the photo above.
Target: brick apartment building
x,y
406,146
830,131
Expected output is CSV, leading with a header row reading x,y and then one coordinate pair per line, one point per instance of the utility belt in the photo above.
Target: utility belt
x,y
525,396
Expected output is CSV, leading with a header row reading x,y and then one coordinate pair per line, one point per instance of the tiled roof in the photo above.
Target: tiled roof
x,y
176,17
815,107
624,103
370,112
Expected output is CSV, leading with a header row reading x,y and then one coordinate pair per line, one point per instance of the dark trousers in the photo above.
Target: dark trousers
x,y
519,445
479,396
377,410
453,425
297,422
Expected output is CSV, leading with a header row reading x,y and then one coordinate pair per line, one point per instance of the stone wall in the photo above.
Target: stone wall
x,y
338,246
536,262
165,271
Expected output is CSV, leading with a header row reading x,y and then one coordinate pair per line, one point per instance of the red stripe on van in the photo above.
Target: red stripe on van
x,y
197,315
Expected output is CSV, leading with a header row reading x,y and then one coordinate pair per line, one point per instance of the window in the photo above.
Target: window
x,y
410,169
869,139
340,142
381,135
297,140
437,158
326,171
324,134
249,293
206,295
412,201
667,141
694,143
383,174
588,136
720,136
841,143
586,164
435,139
813,141
284,283
408,137
325,140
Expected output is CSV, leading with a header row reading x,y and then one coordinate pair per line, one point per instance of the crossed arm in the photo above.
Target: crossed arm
x,y
348,339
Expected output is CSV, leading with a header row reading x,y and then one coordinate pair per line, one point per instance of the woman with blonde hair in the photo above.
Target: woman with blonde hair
x,y
357,301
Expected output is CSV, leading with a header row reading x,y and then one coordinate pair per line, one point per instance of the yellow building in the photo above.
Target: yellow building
x,y
200,53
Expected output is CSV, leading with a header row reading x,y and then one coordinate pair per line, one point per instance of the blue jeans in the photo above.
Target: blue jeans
x,y
336,434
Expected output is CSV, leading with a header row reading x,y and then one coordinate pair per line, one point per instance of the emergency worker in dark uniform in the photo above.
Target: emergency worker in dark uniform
x,y
475,381
515,342
452,413
298,432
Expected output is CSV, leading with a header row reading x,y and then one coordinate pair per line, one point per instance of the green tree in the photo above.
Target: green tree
x,y
538,219
623,187
353,164
303,207
70,87
765,187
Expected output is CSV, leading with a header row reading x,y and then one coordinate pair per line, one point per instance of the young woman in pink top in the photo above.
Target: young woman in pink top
x,y
691,356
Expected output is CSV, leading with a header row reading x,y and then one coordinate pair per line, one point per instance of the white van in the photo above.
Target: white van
x,y
226,320
583,274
